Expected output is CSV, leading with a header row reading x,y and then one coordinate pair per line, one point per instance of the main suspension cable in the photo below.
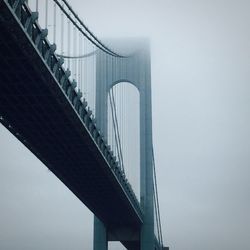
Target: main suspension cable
x,y
114,126
117,130
105,48
156,198
92,39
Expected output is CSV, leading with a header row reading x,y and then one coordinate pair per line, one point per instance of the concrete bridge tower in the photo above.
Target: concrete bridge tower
x,y
135,69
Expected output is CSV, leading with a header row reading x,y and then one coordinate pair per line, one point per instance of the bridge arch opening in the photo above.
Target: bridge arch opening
x,y
124,120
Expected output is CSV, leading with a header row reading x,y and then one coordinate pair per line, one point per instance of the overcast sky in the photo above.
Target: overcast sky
x,y
201,128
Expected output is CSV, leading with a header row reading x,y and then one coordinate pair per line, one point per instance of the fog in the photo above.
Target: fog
x,y
201,120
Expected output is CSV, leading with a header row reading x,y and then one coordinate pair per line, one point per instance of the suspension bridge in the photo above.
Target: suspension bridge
x,y
84,110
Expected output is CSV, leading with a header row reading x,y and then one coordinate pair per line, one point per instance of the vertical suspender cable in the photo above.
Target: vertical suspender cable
x,y
54,33
46,14
123,130
74,53
113,122
94,80
82,64
85,73
62,31
79,60
157,200
118,98
113,113
125,140
69,39
111,108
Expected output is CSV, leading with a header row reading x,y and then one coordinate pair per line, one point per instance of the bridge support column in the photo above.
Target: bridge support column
x,y
100,232
100,235
137,71
146,175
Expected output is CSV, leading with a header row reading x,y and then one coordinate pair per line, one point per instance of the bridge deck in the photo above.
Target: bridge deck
x,y
34,107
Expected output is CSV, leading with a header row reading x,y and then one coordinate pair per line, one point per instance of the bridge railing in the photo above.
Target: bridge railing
x,y
38,37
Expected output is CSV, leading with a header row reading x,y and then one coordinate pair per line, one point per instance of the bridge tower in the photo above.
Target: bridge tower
x,y
138,73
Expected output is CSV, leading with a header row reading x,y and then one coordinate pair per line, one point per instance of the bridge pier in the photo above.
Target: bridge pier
x,y
146,174
100,235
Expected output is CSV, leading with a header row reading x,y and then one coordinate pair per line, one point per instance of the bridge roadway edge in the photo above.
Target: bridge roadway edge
x,y
25,59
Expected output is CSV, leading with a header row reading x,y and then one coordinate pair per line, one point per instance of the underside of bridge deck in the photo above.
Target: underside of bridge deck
x,y
34,107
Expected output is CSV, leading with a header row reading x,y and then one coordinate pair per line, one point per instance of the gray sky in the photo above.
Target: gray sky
x,y
201,121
